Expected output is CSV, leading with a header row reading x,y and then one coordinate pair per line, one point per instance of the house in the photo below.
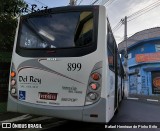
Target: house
x,y
143,62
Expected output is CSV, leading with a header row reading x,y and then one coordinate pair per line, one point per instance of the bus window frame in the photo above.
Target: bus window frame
x,y
61,52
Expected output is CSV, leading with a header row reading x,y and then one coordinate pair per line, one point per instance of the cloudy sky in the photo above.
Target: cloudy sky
x,y
148,17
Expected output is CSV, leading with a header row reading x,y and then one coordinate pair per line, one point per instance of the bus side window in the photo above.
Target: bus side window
x,y
110,60
119,64
110,49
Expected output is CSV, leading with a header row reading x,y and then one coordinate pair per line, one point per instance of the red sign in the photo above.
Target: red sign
x,y
47,96
156,82
149,57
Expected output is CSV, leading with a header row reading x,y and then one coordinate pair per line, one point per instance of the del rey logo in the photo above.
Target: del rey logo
x,y
29,79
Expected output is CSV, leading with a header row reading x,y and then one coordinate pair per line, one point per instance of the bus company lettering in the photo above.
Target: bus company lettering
x,y
69,99
31,79
71,89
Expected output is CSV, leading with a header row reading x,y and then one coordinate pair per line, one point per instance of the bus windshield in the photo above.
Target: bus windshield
x,y
61,30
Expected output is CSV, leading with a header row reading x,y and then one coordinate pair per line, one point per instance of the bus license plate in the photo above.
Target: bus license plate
x,y
48,96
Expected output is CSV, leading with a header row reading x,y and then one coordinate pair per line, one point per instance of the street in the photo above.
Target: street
x,y
130,111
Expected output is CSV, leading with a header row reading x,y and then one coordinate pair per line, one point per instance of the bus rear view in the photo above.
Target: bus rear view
x,y
57,64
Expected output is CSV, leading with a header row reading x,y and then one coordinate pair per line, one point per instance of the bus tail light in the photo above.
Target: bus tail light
x,y
94,84
95,76
13,83
13,74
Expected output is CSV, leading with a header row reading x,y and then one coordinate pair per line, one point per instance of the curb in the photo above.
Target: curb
x,y
131,98
151,100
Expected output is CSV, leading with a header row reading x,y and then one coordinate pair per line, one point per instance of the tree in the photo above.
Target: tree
x,y
9,10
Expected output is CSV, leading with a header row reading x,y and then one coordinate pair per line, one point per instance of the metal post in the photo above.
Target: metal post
x,y
125,56
126,53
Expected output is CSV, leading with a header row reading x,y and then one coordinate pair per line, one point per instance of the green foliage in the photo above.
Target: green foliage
x,y
9,10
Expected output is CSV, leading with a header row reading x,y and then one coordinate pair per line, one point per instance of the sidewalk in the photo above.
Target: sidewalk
x,y
144,97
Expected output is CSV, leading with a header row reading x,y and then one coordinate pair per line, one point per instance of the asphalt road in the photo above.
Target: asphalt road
x,y
131,112
136,112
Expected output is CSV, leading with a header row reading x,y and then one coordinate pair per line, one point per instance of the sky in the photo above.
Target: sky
x,y
117,10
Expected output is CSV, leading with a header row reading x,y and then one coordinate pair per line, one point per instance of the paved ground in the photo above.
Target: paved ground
x,y
130,111
145,97
138,112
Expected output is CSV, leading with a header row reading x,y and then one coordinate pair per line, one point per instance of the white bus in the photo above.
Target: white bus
x,y
65,64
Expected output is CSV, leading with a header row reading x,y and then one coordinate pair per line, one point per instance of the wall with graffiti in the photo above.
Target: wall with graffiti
x,y
144,67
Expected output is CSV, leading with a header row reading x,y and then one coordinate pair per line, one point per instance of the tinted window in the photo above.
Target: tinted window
x,y
62,30
110,47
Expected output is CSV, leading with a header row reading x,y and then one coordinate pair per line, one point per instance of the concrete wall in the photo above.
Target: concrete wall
x,y
140,73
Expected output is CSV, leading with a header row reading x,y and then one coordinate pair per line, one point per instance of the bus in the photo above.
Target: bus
x,y
65,64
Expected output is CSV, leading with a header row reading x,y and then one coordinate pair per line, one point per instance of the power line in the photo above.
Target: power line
x,y
80,2
103,2
138,13
109,2
119,24
143,11
41,3
94,2
91,2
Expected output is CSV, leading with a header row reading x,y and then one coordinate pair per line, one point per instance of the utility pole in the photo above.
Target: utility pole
x,y
124,21
126,53
72,2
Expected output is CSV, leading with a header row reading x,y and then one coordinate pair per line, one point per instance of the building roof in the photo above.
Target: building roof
x,y
139,36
